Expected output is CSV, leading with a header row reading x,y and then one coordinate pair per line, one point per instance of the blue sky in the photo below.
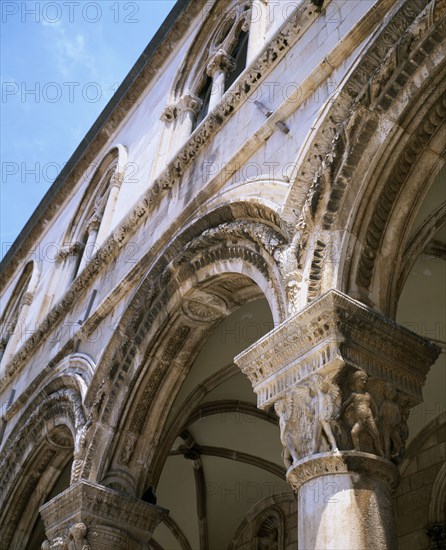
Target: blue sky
x,y
61,62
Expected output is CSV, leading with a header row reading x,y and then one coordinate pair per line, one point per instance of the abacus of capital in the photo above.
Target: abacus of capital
x,y
110,519
342,379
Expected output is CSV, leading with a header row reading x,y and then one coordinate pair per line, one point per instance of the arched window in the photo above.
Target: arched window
x,y
227,60
16,312
217,57
91,224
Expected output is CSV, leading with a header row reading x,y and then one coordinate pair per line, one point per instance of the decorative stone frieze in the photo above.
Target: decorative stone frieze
x,y
100,518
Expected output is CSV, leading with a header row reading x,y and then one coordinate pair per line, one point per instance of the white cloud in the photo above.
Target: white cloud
x,y
71,52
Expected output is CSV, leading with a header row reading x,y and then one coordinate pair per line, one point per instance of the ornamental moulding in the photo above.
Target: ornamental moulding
x,y
342,462
331,332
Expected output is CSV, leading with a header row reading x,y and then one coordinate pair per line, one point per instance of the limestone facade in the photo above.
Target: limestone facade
x,y
223,328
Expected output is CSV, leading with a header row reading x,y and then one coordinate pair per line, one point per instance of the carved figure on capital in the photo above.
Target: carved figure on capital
x,y
360,412
326,405
391,422
295,421
77,537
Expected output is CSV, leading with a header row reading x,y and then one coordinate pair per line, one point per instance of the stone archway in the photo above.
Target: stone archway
x,y
388,110
34,456
219,243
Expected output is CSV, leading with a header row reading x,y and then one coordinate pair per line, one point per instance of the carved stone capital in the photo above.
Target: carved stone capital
x,y
27,298
93,223
332,332
341,377
221,61
67,251
190,103
111,519
343,462
170,113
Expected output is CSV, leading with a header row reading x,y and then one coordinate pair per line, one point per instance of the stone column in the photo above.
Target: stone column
x,y
115,185
188,108
342,379
218,67
98,518
90,245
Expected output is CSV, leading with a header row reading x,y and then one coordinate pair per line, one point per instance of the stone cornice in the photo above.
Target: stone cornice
x,y
332,331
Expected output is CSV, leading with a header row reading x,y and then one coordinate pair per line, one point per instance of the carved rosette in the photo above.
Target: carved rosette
x,y
113,520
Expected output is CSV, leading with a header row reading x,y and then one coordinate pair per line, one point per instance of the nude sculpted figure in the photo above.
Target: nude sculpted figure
x,y
325,408
364,411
